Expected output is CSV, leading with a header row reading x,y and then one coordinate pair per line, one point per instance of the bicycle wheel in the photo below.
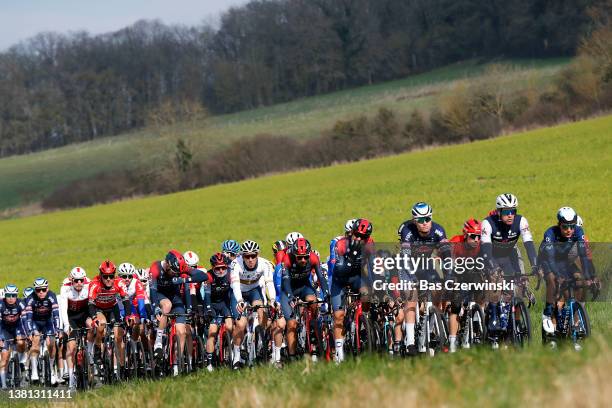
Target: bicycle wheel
x,y
261,345
327,341
13,375
478,331
225,349
437,334
109,367
82,369
366,341
46,369
521,324
581,324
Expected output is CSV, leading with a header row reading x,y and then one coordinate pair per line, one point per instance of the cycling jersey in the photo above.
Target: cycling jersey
x,y
296,276
460,248
348,258
72,303
163,286
12,320
137,295
218,290
103,298
42,314
243,279
555,252
416,245
499,241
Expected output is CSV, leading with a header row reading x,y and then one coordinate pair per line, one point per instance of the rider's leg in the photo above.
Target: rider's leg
x,y
166,306
3,361
34,350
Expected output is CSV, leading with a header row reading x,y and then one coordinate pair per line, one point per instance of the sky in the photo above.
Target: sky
x,y
22,19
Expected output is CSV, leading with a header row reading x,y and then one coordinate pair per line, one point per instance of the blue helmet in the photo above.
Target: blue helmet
x,y
230,246
421,209
28,291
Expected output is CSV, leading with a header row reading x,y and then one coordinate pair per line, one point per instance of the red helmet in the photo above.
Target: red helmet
x,y
362,228
107,268
219,259
176,261
472,226
301,247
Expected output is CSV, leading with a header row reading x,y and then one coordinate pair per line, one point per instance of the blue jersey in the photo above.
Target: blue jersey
x,y
499,240
42,310
555,250
11,316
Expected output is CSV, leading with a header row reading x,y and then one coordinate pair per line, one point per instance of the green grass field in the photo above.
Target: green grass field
x,y
29,178
545,168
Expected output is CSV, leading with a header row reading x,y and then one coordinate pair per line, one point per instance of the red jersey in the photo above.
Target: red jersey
x,y
106,298
461,249
279,256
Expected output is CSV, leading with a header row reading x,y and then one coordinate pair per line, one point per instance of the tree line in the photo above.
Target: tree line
x,y
57,89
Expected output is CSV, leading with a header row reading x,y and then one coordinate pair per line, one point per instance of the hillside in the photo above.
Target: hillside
x,y
29,178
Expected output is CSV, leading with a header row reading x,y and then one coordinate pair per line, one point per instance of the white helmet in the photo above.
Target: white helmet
x,y
191,258
579,221
11,289
421,209
348,226
249,247
126,270
292,237
142,274
567,215
506,200
77,273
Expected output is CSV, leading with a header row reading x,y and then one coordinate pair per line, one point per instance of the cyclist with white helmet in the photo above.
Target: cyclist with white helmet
x,y
230,248
348,228
245,274
137,314
559,264
499,237
73,302
12,316
420,236
42,318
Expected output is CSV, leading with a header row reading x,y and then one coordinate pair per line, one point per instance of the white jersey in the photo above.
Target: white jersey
x,y
487,231
243,280
71,300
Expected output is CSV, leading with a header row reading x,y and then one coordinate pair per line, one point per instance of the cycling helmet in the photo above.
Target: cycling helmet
x,y
175,260
279,246
579,221
40,283
301,247
567,215
126,270
191,258
142,274
77,273
217,260
231,246
348,226
107,268
11,289
506,200
362,227
1,293
28,291
249,247
472,226
292,237
421,209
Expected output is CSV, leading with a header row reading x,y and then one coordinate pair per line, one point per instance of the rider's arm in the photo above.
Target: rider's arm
x,y
321,278
331,261
91,304
278,278
586,263
548,250
205,291
286,285
486,244
55,312
528,241
63,306
268,277
235,281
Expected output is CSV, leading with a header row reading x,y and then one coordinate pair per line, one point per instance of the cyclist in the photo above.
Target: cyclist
x,y
12,316
298,265
230,248
279,248
192,260
27,292
557,263
136,314
103,306
419,237
346,265
348,228
42,312
246,271
73,302
466,245
168,280
499,237
216,296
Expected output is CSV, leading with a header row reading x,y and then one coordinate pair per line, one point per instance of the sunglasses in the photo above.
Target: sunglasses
x,y
422,220
508,211
10,295
301,257
475,237
568,226
78,280
40,290
108,277
249,256
220,268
